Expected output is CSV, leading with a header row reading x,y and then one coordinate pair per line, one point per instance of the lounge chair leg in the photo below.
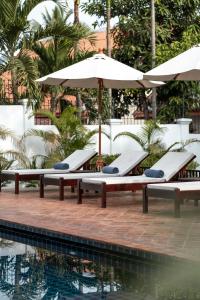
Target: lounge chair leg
x,y
41,186
177,206
80,192
61,189
196,202
103,195
17,183
145,200
0,182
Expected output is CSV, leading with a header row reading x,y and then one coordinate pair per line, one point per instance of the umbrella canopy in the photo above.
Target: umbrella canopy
x,y
98,71
185,66
86,74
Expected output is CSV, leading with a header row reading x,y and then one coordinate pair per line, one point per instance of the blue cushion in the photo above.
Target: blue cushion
x,y
110,170
61,166
154,173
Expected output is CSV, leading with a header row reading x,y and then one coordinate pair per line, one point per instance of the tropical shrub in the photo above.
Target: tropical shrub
x,y
107,159
7,157
150,140
70,135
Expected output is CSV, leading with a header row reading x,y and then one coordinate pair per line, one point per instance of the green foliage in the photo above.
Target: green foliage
x,y
90,99
150,140
41,49
107,159
181,97
177,29
7,157
174,110
14,29
62,38
55,43
70,135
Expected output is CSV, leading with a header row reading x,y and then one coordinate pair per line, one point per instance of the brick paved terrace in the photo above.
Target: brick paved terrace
x,y
121,223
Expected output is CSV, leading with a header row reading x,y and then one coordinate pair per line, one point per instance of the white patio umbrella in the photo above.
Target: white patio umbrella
x,y
185,66
98,71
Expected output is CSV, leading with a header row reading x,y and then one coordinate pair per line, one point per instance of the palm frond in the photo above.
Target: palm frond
x,y
184,144
7,8
150,129
5,133
133,136
172,146
47,136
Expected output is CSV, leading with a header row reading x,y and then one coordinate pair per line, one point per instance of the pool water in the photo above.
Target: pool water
x,y
38,268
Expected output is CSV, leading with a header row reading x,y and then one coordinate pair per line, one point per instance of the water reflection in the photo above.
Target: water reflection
x,y
29,272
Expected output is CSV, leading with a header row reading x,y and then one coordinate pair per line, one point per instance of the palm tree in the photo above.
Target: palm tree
x,y
153,53
77,21
108,16
56,45
70,135
15,58
108,42
7,157
150,140
76,11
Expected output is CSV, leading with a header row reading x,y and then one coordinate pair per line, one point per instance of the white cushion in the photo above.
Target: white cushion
x,y
172,162
124,180
75,161
127,161
182,186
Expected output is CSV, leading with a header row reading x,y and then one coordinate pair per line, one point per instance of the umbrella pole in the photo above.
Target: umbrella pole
x,y
100,162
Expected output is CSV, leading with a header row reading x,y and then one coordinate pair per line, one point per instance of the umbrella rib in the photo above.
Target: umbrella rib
x,y
140,83
63,81
176,76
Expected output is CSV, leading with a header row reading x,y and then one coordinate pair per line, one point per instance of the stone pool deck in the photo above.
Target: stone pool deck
x,y
121,223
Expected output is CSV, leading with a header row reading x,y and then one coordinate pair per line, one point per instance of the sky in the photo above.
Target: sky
x,y
39,9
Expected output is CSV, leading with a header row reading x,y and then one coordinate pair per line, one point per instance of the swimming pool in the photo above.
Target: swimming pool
x,y
35,267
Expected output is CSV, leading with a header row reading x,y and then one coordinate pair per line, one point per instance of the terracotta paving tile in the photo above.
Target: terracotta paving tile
x,y
121,223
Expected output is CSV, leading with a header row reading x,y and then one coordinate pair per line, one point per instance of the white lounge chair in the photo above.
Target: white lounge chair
x,y
171,163
178,191
126,162
75,161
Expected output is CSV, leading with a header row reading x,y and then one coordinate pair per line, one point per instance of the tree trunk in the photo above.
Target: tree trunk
x,y
14,84
108,44
153,53
108,33
76,11
77,21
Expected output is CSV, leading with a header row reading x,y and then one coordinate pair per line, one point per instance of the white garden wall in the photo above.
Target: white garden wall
x,y
19,119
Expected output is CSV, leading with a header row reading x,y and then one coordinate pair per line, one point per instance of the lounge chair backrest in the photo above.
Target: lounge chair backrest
x,y
172,162
78,158
127,161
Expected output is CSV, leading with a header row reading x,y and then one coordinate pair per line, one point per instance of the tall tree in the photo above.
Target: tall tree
x,y
56,43
177,27
77,21
15,58
153,53
108,42
76,11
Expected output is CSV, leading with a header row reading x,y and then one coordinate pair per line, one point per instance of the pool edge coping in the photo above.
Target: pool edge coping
x,y
102,245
